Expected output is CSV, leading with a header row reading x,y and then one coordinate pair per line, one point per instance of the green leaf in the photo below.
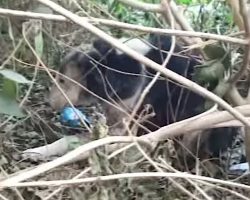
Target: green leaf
x,y
14,76
9,88
186,2
9,106
39,44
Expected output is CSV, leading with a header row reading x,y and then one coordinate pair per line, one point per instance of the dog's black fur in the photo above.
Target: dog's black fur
x,y
117,77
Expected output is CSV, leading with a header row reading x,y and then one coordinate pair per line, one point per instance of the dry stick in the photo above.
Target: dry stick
x,y
182,20
169,167
112,155
168,14
152,82
3,197
194,184
12,53
158,8
44,167
35,73
143,6
154,164
71,156
184,25
83,150
194,123
168,73
112,23
245,65
239,9
61,187
139,175
18,193
47,166
246,59
231,123
234,4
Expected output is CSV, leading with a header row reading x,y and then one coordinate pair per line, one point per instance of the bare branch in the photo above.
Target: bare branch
x,y
246,59
142,6
234,4
182,20
161,134
112,23
76,153
199,122
138,175
234,96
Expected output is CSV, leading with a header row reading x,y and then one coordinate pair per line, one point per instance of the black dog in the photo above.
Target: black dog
x,y
120,79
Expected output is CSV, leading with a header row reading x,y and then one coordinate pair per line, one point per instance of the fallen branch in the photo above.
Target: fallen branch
x,y
69,157
139,175
82,152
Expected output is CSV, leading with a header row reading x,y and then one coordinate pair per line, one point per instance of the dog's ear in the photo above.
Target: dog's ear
x,y
102,46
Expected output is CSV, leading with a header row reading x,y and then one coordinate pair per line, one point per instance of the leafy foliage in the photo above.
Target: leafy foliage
x,y
127,14
209,16
9,106
9,92
14,76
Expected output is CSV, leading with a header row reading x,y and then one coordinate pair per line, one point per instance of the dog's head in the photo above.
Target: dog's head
x,y
78,71
104,71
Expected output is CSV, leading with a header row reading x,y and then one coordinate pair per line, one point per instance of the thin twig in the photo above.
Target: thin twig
x,y
154,164
245,65
112,23
246,59
195,123
149,7
24,32
71,156
194,184
153,81
167,166
3,197
139,175
162,133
